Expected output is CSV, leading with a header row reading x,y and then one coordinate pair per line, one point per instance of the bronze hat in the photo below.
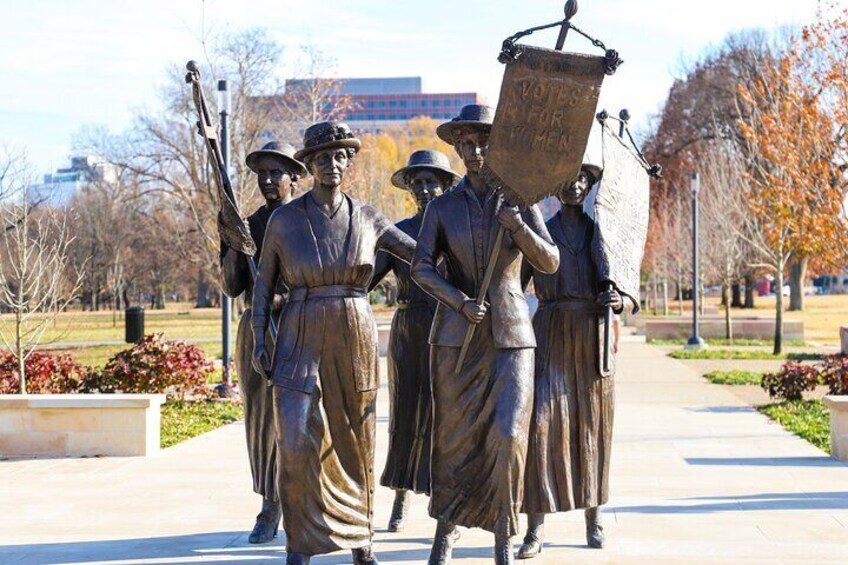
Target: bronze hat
x,y
325,135
282,151
425,159
472,115
593,170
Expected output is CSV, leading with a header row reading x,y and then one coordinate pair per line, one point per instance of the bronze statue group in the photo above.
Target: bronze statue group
x,y
524,426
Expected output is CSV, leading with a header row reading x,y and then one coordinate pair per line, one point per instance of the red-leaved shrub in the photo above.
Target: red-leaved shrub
x,y
156,365
46,373
793,379
834,373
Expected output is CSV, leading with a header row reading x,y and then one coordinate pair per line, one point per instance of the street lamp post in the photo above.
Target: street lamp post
x,y
696,341
226,301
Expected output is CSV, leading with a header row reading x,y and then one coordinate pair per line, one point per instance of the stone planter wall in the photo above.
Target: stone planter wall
x,y
838,406
79,425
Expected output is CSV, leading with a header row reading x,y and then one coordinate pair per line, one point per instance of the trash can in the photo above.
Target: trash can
x,y
134,324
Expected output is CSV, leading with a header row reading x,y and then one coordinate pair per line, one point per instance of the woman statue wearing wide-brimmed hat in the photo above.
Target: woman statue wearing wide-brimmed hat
x,y
481,412
426,175
322,247
277,173
571,431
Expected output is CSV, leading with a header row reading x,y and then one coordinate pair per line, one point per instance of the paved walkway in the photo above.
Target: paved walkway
x,y
698,477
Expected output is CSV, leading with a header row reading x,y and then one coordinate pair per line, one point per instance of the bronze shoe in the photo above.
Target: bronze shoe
x,y
503,551
442,550
364,556
399,510
594,530
294,558
267,523
532,545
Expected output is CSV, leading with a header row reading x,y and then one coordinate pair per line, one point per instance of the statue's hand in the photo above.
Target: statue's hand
x,y
510,218
474,312
261,360
611,299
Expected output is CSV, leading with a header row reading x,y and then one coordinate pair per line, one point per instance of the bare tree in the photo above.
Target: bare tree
x,y
34,249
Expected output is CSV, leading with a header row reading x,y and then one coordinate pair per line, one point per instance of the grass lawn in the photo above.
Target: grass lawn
x,y
740,354
720,342
185,420
734,377
177,321
822,314
808,419
98,355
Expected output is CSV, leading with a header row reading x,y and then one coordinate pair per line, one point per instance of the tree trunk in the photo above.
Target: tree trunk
x,y
778,314
736,292
654,293
665,295
749,291
728,322
19,345
679,293
797,274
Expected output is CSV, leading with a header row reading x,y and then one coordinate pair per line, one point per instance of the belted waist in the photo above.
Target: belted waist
x,y
573,305
303,293
413,304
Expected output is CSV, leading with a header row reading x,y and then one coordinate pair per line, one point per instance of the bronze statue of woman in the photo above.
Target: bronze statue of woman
x,y
426,175
277,173
322,247
481,413
571,432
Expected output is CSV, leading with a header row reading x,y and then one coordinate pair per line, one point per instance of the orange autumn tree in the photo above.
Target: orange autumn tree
x,y
795,135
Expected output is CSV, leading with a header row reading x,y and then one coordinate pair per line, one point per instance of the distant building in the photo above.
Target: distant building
x,y
60,187
378,103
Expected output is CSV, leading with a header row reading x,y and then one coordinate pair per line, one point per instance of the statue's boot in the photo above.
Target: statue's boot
x,y
503,550
364,556
532,545
294,558
399,509
267,522
443,541
594,530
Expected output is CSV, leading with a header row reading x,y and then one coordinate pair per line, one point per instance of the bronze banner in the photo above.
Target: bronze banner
x,y
540,131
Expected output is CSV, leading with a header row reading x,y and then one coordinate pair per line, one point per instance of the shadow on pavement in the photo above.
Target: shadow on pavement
x,y
765,501
822,461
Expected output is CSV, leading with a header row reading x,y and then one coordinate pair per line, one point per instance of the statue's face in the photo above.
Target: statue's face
x,y
471,145
273,178
425,185
329,166
575,193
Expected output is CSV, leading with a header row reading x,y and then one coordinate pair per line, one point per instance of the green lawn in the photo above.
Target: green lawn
x,y
734,343
734,377
185,420
740,354
808,419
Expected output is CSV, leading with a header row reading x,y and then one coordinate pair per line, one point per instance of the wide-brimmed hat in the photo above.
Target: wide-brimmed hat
x,y
282,151
593,170
472,115
326,135
425,159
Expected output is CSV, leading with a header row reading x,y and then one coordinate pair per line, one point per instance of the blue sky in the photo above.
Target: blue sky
x,y
65,65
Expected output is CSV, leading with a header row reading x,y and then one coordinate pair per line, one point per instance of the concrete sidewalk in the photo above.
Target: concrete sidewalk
x,y
698,477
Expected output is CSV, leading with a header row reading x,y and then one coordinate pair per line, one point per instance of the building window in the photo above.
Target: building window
x,y
435,103
423,103
392,103
447,103
370,104
403,103
382,103
370,116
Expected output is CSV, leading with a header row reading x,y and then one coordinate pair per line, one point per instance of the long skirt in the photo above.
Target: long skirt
x,y
325,455
481,418
410,409
258,400
571,434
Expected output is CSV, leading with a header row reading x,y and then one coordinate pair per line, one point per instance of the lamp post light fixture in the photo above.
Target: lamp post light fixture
x,y
696,341
226,301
